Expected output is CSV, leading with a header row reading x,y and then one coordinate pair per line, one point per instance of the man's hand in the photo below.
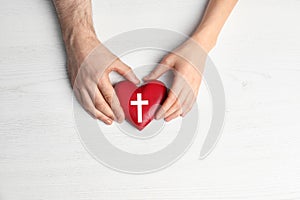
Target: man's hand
x,y
187,62
89,62
92,86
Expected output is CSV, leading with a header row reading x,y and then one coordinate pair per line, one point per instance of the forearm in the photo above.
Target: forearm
x,y
213,20
75,18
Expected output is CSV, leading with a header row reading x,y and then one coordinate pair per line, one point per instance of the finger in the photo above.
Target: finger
x,y
166,64
159,70
176,106
99,102
125,71
188,104
103,106
166,105
91,109
179,102
183,94
173,115
111,98
171,98
77,95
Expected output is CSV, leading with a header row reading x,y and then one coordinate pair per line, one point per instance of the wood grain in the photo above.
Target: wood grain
x,y
257,55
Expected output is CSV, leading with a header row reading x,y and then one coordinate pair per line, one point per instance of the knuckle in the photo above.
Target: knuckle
x,y
127,67
127,70
187,65
85,105
171,96
163,108
80,87
98,104
86,82
99,116
95,115
177,112
112,67
177,105
167,60
101,106
101,81
118,60
184,72
89,108
185,105
108,98
91,111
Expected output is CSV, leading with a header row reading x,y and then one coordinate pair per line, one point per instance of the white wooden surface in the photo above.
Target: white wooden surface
x,y
257,55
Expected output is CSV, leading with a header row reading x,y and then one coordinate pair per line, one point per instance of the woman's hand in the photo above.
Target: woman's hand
x,y
187,62
89,65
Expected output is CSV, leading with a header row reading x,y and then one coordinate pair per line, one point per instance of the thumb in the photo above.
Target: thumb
x,y
160,69
126,71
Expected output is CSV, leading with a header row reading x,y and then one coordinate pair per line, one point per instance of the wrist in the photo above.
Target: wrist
x,y
206,39
80,41
77,33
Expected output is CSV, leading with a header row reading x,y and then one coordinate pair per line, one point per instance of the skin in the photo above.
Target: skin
x,y
92,86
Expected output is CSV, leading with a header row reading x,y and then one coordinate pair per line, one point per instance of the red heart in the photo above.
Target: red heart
x,y
152,93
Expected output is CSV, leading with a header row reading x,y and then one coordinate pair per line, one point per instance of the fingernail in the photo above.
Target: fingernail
x,y
120,120
136,82
112,117
108,121
167,119
158,116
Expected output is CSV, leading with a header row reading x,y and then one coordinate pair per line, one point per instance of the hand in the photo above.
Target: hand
x,y
187,62
89,67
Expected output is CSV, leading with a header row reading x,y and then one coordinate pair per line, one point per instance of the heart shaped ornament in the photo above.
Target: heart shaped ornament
x,y
140,103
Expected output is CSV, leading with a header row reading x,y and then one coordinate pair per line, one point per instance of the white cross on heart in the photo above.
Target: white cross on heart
x,y
139,103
